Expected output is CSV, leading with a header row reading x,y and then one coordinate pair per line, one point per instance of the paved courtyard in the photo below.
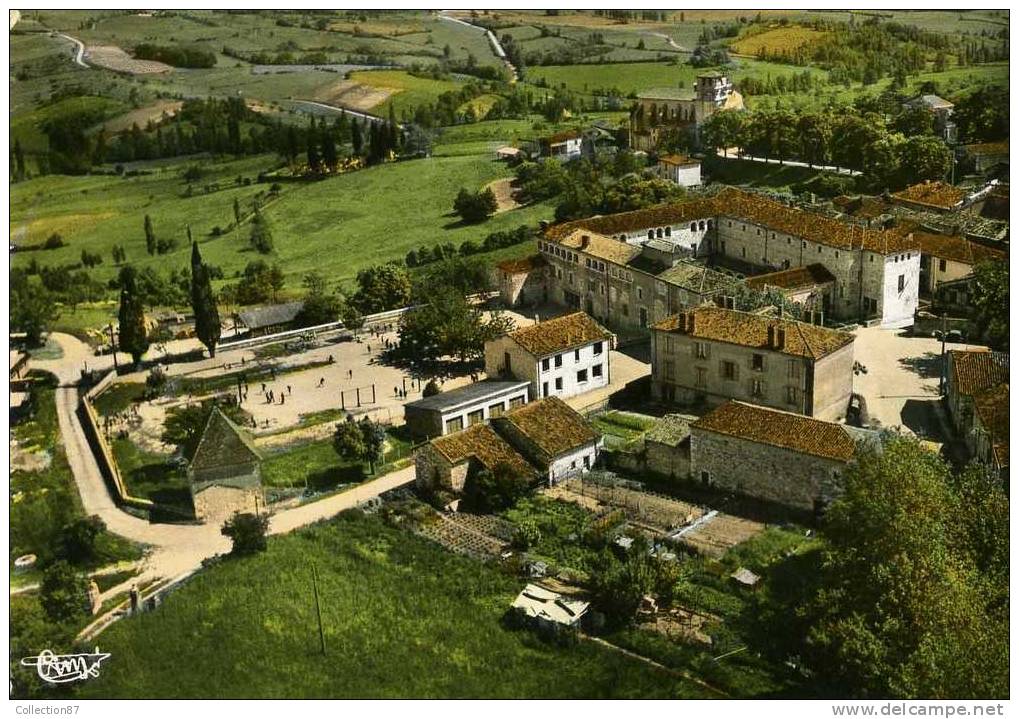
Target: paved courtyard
x,y
901,384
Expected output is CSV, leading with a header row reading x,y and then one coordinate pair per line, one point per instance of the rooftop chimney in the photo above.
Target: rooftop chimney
x,y
771,336
585,240
689,323
780,338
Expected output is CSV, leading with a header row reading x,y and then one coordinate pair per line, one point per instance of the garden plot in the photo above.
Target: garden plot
x,y
718,533
645,509
114,58
457,535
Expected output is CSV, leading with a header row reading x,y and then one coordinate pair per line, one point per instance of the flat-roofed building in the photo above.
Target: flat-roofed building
x,y
562,357
472,404
776,456
711,354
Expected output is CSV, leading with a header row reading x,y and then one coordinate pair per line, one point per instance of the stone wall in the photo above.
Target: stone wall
x,y
432,471
668,461
774,474
832,385
218,503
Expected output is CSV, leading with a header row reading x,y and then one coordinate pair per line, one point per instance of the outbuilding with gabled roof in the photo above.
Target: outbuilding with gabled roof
x,y
225,472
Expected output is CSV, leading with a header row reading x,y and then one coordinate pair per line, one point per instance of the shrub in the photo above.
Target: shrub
x,y
526,535
247,532
63,592
53,242
77,539
431,389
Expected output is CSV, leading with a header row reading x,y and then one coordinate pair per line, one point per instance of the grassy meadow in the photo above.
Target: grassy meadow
x,y
401,616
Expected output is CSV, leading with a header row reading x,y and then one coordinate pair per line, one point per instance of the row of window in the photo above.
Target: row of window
x,y
729,371
455,424
594,264
557,360
582,377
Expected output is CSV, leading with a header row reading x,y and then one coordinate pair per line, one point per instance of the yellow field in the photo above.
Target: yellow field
x,y
142,115
481,104
778,40
36,231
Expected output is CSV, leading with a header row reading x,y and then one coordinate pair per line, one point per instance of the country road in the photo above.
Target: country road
x,y
79,49
346,110
497,47
175,548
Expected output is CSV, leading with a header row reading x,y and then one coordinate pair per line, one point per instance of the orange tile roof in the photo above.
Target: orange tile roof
x,y
779,429
750,330
739,204
522,264
793,279
552,425
481,443
991,406
957,249
560,334
976,370
678,160
600,246
934,194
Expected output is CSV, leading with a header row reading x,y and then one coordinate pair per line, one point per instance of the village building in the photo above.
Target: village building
x,y
667,446
549,611
562,357
451,411
661,111
811,286
930,196
876,271
268,319
944,258
711,354
985,157
566,145
976,392
552,436
521,282
772,455
225,473
683,170
942,110
545,440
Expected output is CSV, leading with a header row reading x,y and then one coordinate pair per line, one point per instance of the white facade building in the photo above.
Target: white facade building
x,y
684,171
452,411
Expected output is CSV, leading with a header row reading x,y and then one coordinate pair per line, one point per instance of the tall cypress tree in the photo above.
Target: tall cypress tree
x,y
356,139
203,302
150,236
133,338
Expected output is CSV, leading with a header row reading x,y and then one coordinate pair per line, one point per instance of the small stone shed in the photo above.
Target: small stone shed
x,y
225,473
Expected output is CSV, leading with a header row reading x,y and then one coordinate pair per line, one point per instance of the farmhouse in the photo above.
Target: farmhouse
x,y
451,411
876,272
562,357
944,258
772,455
712,354
225,472
564,145
684,171
977,396
942,110
545,440
664,110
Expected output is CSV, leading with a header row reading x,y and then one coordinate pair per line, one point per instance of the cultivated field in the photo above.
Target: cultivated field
x,y
114,58
777,40
143,115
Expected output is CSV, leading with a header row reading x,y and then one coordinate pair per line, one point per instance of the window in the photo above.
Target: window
x,y
475,417
728,370
558,360
662,290
544,389
757,388
693,227
902,282
743,251
670,369
942,265
495,410
640,293
705,477
701,350
587,461
626,310
794,369
651,234
576,355
596,370
454,425
702,377
660,233
582,376
701,226
597,348
792,395
544,365
757,362
668,231
518,401
558,384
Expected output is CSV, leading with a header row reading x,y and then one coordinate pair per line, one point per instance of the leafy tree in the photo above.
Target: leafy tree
x,y
150,236
237,210
990,301
320,305
261,233
908,606
431,389
449,325
617,588
248,533
925,158
487,491
381,288
724,129
361,441
475,206
203,303
77,539
63,592
913,121
32,308
133,338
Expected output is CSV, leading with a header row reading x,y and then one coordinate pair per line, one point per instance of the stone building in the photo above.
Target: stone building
x,y
562,357
664,110
776,456
521,282
812,286
976,392
876,271
225,473
944,258
712,354
667,446
930,196
683,170
942,111
985,157
472,404
545,440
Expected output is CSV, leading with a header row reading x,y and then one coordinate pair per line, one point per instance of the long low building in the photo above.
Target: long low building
x,y
452,411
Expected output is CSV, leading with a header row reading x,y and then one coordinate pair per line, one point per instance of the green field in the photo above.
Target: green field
x,y
317,466
402,618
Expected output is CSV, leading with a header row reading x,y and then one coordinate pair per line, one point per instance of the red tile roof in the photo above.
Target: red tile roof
x,y
933,194
976,370
957,249
552,425
481,443
991,406
522,265
560,334
793,279
779,429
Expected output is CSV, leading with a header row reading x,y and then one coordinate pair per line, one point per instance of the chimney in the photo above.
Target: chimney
x,y
780,339
771,336
585,240
689,323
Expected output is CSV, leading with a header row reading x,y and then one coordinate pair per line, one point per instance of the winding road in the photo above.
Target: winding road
x,y
175,549
79,49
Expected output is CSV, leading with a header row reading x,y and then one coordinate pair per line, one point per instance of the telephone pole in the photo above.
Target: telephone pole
x,y
318,609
